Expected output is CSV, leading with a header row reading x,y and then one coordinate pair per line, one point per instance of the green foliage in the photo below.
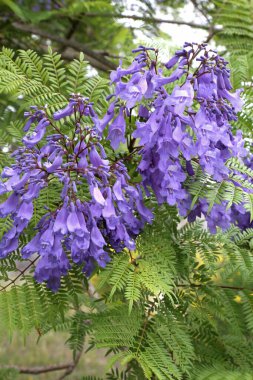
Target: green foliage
x,y
204,329
219,373
201,185
236,19
44,81
30,305
236,35
163,336
202,324
8,374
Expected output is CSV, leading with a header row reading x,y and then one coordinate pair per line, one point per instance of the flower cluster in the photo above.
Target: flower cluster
x,y
182,115
87,225
184,122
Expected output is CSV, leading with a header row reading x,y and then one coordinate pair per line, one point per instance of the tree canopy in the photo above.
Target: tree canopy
x,y
126,185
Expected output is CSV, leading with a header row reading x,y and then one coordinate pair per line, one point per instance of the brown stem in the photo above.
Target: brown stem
x,y
148,19
73,27
199,9
72,367
19,275
95,58
39,370
211,33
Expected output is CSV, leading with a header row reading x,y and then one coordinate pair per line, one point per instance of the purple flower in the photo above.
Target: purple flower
x,y
95,158
9,205
133,68
97,195
161,81
143,112
25,211
172,62
107,118
144,211
73,222
52,266
96,237
18,185
33,191
108,210
32,140
117,189
102,257
51,168
8,245
67,111
183,97
117,130
100,211
206,84
32,247
60,223
234,99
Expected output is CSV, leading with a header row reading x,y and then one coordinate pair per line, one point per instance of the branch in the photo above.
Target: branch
x,y
202,11
211,33
21,272
73,26
39,370
96,59
70,33
68,367
148,19
71,368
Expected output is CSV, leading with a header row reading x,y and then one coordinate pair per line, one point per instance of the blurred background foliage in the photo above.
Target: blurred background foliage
x,y
105,31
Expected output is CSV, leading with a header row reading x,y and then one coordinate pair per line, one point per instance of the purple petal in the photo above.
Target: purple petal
x,y
67,111
97,195
60,224
96,237
9,205
25,211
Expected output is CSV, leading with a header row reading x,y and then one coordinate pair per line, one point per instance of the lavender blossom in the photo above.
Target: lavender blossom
x,y
111,216
99,211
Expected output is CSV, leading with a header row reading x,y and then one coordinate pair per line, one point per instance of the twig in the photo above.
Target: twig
x,y
71,368
72,29
148,19
69,35
68,367
96,59
39,370
202,11
211,33
21,272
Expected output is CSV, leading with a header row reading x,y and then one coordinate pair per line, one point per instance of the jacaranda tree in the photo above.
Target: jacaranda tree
x,y
126,213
